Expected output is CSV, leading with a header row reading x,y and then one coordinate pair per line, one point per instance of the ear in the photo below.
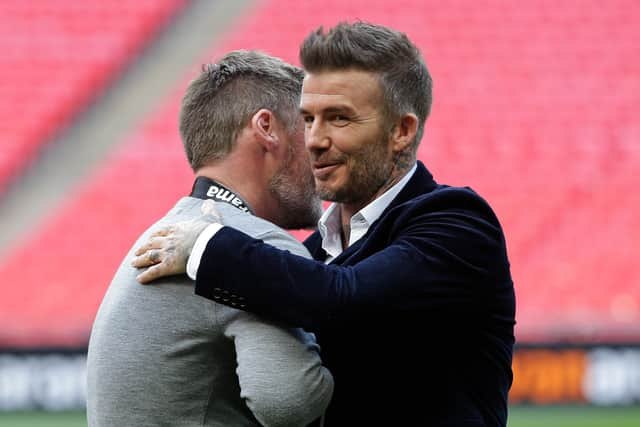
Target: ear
x,y
404,132
264,127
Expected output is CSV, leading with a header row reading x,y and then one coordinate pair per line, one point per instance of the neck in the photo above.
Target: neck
x,y
398,171
245,178
345,234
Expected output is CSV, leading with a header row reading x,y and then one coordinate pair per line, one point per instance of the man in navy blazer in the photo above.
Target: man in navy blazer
x,y
410,293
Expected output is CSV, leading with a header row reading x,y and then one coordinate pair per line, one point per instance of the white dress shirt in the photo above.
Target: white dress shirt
x,y
329,226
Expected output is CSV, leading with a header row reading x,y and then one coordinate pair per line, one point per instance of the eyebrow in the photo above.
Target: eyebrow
x,y
334,109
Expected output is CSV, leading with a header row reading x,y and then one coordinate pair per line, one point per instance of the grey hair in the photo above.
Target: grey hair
x,y
405,80
223,98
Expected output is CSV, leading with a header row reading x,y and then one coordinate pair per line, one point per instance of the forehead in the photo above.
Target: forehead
x,y
353,88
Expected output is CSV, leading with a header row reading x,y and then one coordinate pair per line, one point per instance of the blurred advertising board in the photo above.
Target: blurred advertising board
x,y
607,375
50,380
598,375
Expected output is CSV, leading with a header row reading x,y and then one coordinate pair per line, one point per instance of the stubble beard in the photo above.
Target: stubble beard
x,y
294,189
369,171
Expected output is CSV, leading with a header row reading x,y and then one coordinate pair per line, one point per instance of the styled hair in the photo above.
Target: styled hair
x,y
219,103
404,78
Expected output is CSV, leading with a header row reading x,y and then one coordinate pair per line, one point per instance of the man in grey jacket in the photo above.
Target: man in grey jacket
x,y
162,355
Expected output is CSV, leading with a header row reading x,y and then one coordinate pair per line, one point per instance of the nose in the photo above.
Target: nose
x,y
315,137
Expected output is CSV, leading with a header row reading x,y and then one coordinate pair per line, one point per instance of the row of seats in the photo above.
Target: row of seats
x,y
59,56
534,108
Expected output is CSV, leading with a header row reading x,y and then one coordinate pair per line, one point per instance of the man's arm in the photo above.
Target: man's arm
x,y
282,380
281,376
437,260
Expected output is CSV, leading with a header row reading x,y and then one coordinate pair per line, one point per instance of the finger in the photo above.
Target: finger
x,y
152,243
148,258
164,231
151,274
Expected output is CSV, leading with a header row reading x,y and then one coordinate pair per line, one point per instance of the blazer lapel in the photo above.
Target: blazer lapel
x,y
314,246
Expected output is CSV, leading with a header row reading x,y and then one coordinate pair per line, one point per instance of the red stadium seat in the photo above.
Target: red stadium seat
x,y
57,57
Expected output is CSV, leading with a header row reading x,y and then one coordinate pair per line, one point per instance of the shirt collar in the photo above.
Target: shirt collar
x,y
329,223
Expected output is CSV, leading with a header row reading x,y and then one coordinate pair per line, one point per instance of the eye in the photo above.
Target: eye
x,y
307,119
339,119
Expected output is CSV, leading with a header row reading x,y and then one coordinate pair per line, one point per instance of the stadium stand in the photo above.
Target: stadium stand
x,y
535,107
59,56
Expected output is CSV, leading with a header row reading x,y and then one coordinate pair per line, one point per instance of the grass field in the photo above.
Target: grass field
x,y
573,416
520,416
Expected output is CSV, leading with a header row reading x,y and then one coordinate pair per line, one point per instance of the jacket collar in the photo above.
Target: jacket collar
x,y
420,183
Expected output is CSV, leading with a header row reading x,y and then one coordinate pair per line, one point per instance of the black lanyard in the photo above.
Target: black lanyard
x,y
205,188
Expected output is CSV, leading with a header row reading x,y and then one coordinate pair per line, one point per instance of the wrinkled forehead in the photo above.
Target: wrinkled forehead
x,y
352,87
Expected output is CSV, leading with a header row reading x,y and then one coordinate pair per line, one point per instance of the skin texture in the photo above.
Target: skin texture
x,y
345,136
293,186
168,249
357,153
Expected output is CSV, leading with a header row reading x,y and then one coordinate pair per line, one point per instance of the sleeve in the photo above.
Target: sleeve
x,y
434,260
198,249
281,376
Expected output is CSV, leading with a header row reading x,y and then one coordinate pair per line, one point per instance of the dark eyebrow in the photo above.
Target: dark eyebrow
x,y
329,110
340,109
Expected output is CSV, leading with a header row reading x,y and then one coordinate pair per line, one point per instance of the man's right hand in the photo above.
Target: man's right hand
x,y
167,250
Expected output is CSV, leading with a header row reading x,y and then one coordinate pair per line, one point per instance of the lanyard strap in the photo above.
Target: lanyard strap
x,y
206,188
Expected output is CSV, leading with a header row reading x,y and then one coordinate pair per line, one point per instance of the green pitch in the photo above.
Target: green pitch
x,y
519,416
43,419
573,416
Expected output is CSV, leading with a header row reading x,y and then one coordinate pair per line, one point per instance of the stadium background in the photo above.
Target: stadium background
x,y
535,107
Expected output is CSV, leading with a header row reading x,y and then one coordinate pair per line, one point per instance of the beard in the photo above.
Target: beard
x,y
369,170
293,186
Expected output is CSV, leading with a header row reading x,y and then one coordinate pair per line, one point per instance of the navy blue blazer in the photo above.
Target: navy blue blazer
x,y
415,320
